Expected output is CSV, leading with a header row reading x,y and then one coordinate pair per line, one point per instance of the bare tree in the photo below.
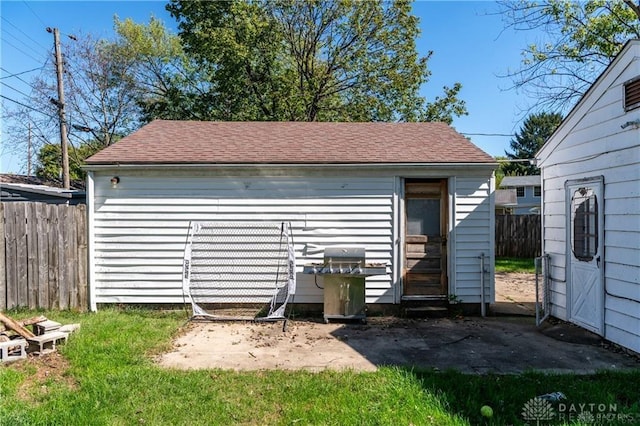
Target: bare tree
x,y
100,103
101,94
112,86
16,140
582,38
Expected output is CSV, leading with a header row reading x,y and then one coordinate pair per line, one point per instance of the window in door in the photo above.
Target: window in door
x,y
584,229
423,216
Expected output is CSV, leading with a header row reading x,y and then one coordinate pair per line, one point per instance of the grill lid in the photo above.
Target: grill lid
x,y
345,261
344,255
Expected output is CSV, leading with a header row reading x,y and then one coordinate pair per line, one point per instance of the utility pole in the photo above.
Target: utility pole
x,y
29,151
60,104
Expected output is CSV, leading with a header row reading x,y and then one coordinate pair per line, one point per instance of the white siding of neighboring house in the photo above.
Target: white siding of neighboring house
x,y
474,234
592,143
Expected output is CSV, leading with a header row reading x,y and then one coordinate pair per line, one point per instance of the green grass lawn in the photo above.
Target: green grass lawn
x,y
512,264
112,380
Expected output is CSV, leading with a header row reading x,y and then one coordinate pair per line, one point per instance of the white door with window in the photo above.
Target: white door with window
x,y
585,235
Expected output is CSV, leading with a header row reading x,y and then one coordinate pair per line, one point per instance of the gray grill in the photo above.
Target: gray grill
x,y
344,270
345,261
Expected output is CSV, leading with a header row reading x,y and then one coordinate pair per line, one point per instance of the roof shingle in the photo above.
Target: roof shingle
x,y
215,142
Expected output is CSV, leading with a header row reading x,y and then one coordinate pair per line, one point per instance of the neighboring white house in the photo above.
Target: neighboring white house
x,y
591,206
417,196
528,191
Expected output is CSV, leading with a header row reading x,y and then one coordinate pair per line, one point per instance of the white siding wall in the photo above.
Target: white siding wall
x,y
474,234
140,227
596,145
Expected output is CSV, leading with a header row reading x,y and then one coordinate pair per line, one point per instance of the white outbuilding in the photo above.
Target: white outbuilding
x,y
590,172
417,197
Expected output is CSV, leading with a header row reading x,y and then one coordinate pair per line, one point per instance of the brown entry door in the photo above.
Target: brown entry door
x,y
425,260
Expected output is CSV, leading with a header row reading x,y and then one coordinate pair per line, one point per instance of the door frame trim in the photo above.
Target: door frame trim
x,y
593,180
398,239
449,198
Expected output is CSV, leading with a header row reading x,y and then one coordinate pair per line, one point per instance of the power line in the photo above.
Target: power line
x,y
21,79
17,38
34,13
487,134
27,106
25,34
14,89
20,73
22,51
515,160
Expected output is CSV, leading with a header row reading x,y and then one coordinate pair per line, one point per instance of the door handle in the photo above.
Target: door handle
x,y
598,261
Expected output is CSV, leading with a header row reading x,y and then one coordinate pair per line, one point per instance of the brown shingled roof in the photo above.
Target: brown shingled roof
x,y
214,142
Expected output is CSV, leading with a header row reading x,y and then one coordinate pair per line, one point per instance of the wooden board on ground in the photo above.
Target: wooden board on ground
x,y
15,326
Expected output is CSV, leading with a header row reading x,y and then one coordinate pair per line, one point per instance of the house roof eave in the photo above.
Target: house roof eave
x,y
112,166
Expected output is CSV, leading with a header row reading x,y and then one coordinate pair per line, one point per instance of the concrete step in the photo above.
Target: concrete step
x,y
425,311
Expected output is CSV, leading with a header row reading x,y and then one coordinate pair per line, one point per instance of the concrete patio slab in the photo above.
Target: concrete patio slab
x,y
502,345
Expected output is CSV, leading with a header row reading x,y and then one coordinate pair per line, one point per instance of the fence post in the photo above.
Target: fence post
x,y
3,276
43,254
82,256
10,256
32,255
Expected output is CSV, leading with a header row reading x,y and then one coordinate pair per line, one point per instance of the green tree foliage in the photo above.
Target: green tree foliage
x,y
167,81
49,166
582,39
535,131
343,60
499,173
310,60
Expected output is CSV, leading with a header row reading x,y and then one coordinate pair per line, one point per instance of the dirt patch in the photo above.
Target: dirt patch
x,y
515,287
515,294
245,345
43,372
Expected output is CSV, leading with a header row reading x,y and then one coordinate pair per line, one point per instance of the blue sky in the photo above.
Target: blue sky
x,y
467,38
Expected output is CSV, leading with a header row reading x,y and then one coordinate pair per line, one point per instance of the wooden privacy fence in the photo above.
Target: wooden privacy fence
x,y
44,253
518,235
